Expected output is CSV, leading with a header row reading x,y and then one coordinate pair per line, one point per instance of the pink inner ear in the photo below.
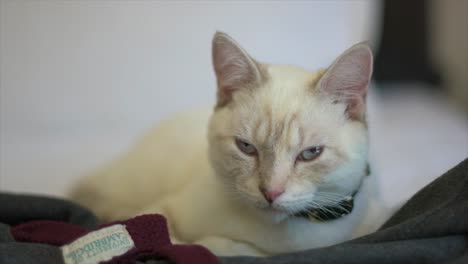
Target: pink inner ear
x,y
348,78
231,75
233,67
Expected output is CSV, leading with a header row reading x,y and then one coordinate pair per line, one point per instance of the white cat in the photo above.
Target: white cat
x,y
284,167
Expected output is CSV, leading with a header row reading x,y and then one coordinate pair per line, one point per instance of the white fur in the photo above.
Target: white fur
x,y
209,190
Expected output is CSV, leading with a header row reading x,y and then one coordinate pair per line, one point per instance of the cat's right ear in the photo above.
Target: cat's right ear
x,y
233,67
347,79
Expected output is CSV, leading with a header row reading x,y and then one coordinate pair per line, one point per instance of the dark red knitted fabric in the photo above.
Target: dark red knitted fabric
x,y
149,234
47,232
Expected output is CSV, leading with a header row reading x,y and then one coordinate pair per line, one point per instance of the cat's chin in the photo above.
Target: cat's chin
x,y
274,215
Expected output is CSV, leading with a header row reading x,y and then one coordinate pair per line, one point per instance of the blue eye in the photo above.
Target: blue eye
x,y
246,147
310,153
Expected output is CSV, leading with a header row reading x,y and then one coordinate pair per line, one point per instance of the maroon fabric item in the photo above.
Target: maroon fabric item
x,y
149,234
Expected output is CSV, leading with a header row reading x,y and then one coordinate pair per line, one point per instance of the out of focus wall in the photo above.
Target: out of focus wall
x,y
69,64
449,35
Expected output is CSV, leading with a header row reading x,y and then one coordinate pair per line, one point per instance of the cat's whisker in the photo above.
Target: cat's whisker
x,y
330,195
323,200
311,215
316,216
323,209
327,201
340,206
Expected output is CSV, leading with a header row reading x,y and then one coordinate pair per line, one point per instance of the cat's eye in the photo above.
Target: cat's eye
x,y
310,153
246,147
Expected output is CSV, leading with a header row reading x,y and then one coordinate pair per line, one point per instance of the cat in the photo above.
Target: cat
x,y
279,165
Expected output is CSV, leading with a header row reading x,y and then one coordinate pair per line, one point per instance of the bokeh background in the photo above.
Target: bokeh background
x,y
80,81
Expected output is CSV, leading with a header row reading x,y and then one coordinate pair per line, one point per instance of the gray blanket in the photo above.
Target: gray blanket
x,y
432,227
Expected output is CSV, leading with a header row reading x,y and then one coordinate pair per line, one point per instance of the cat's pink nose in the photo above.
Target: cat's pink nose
x,y
271,194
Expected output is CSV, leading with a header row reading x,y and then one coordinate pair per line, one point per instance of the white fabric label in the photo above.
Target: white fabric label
x,y
100,245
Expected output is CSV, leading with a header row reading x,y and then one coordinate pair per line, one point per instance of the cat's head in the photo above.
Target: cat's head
x,y
285,139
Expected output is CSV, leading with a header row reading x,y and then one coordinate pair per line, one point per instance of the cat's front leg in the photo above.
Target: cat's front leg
x,y
222,246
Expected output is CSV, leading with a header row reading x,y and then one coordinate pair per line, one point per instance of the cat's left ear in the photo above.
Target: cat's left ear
x,y
347,79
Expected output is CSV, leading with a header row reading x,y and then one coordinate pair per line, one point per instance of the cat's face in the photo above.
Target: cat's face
x,y
284,139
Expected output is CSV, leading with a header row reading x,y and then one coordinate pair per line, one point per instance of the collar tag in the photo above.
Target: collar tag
x,y
99,245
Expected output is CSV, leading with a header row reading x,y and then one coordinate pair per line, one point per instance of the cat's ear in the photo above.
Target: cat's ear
x,y
233,67
347,79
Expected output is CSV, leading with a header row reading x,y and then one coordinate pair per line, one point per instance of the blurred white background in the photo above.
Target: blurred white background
x,y
82,80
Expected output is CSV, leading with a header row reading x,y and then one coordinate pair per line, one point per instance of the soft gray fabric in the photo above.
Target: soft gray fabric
x,y
5,235
29,253
432,227
15,209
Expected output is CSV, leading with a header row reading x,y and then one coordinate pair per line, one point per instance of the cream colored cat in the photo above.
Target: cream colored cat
x,y
283,167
